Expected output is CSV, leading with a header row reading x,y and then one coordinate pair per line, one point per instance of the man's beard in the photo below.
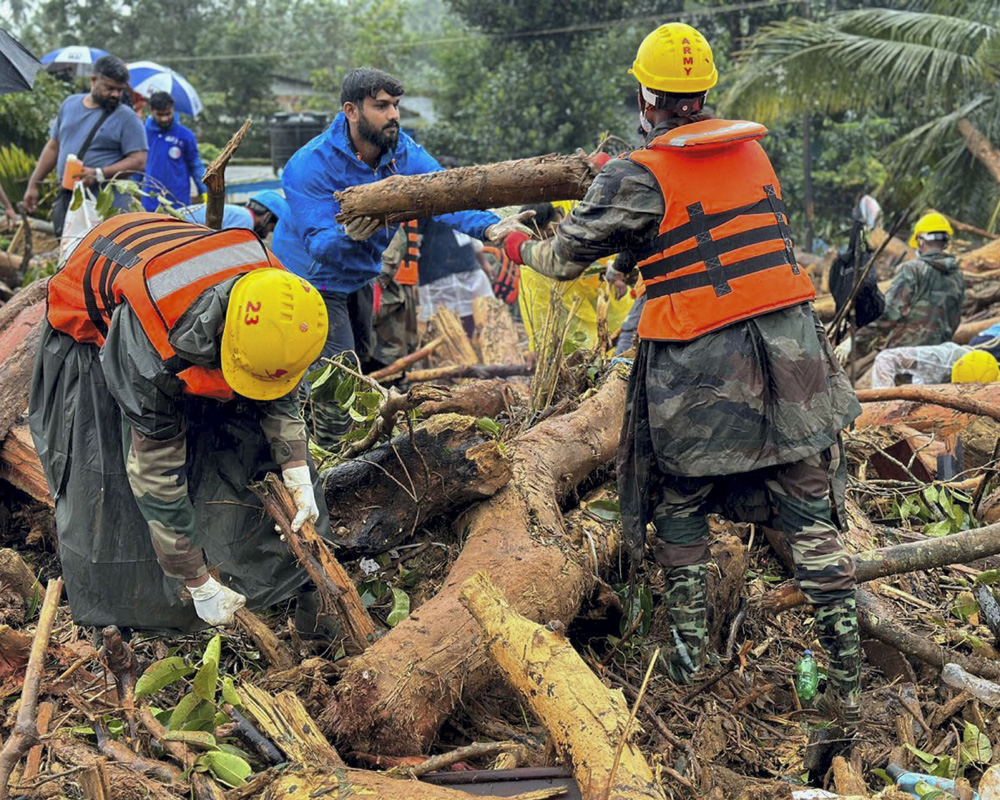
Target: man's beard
x,y
108,102
383,138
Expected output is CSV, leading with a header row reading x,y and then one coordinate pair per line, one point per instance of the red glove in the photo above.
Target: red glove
x,y
377,297
512,245
599,160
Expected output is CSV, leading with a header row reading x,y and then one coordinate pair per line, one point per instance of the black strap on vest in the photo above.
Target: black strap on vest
x,y
699,280
708,249
778,209
687,258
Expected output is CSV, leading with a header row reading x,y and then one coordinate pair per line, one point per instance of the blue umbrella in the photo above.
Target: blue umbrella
x,y
82,58
17,65
148,77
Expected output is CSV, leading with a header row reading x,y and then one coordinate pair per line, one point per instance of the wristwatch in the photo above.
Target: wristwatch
x,y
99,174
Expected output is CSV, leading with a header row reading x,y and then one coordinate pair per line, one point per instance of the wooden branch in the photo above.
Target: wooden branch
x,y
965,331
25,735
483,186
980,147
253,738
176,750
932,395
400,364
958,225
275,652
959,548
585,719
119,660
215,179
478,371
456,347
34,760
444,760
337,594
496,337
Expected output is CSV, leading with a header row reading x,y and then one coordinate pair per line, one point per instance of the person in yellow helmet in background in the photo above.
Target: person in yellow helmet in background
x,y
164,385
735,401
923,305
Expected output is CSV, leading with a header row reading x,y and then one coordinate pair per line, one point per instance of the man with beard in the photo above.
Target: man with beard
x,y
364,144
99,130
173,156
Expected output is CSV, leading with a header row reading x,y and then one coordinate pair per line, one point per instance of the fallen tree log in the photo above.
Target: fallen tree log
x,y
20,329
965,331
496,337
587,721
378,500
394,697
958,548
400,364
982,259
482,186
480,371
488,398
19,464
934,395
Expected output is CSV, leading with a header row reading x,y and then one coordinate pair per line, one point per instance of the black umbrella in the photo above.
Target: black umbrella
x,y
17,65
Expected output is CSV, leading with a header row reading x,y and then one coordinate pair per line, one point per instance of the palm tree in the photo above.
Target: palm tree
x,y
938,65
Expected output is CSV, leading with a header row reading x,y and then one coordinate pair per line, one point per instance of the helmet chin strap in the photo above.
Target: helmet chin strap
x,y
680,107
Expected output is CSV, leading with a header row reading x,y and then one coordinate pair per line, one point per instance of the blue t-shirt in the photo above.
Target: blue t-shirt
x,y
120,134
173,161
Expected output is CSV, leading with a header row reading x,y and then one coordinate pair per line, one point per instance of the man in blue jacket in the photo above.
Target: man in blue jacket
x,y
364,144
173,156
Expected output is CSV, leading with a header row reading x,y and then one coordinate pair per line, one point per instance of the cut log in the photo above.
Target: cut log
x,y
982,259
587,721
967,330
935,395
378,500
400,364
17,576
274,652
317,769
20,330
979,145
456,371
528,180
496,337
455,347
394,697
19,464
478,399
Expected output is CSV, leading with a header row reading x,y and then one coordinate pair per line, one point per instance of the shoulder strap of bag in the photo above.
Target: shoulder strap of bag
x,y
93,132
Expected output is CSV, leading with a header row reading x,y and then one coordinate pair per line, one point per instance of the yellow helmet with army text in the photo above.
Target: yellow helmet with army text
x,y
675,58
276,327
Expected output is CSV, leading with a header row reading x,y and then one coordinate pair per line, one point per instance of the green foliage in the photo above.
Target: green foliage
x,y
15,169
195,717
943,510
25,116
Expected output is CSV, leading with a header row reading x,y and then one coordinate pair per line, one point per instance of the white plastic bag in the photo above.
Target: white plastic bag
x,y
78,222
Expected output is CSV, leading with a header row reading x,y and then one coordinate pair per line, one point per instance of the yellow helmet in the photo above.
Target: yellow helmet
x,y
975,367
931,222
275,328
675,58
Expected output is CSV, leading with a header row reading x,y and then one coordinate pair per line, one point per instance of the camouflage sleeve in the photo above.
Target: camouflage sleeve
x,y
284,428
900,296
156,451
622,210
393,254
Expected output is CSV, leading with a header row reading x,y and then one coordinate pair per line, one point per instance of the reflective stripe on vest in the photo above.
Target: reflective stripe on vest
x,y
159,265
723,252
408,273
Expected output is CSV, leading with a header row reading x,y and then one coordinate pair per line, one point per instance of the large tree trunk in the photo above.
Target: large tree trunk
x,y
378,500
394,697
20,329
483,186
980,147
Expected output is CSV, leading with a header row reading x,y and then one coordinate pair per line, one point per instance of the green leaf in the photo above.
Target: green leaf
x,y
183,710
927,758
942,528
105,202
229,693
161,674
77,200
976,748
206,681
883,776
356,415
400,607
489,426
965,606
605,509
931,494
233,750
344,395
213,652
369,401
988,577
201,719
200,739
228,768
945,768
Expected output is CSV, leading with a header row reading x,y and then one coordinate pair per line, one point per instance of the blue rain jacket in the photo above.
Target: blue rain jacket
x,y
173,160
312,244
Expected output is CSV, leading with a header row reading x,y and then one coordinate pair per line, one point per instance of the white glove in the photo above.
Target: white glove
x,y
361,228
215,603
498,230
843,351
299,483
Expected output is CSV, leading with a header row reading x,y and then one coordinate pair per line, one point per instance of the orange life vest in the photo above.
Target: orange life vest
x,y
159,266
408,272
724,250
508,280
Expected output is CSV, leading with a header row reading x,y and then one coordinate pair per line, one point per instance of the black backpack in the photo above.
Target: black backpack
x,y
869,302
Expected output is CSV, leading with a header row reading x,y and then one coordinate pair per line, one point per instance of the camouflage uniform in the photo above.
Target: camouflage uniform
x,y
743,419
124,451
396,319
923,305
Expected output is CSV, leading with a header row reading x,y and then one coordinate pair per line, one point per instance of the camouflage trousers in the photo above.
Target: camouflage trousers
x,y
801,496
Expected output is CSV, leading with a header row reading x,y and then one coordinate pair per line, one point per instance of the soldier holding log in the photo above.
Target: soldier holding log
x,y
735,394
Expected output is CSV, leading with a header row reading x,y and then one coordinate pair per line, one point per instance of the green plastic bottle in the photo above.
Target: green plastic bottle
x,y
806,677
